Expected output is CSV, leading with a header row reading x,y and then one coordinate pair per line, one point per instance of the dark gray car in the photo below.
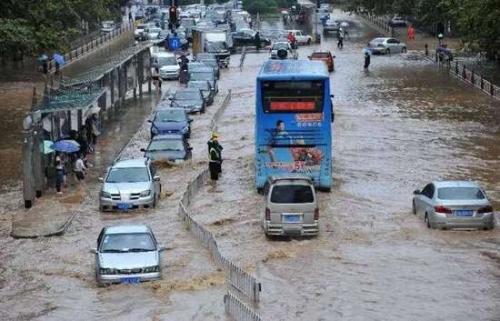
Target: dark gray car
x,y
204,76
206,90
191,99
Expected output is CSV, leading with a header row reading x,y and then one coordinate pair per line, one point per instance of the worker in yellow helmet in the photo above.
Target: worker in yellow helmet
x,y
214,157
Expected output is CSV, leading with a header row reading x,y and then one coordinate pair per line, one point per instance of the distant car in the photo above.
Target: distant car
x,y
130,184
209,60
301,37
170,120
326,57
170,147
331,25
203,76
191,99
127,254
246,37
206,90
153,33
108,26
167,64
454,204
282,50
398,21
139,32
384,46
291,207
198,66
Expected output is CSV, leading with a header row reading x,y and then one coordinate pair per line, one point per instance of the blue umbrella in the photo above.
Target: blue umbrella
x,y
58,58
66,146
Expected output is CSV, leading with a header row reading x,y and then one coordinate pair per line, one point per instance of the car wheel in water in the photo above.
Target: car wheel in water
x,y
427,221
388,51
404,50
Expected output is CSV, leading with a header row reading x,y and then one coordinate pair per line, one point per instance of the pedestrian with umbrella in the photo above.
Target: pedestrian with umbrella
x,y
58,60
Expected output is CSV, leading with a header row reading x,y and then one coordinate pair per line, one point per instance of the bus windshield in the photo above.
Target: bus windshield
x,y
304,96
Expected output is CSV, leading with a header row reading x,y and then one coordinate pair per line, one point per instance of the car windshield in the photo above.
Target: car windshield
x,y
165,144
170,116
201,76
186,102
167,61
127,242
216,46
278,46
287,194
460,193
198,84
187,95
128,175
320,55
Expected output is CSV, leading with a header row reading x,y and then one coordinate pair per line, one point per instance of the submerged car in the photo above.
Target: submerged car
x,y
326,57
130,184
206,90
127,254
382,46
453,204
170,120
209,60
204,76
191,99
172,147
291,207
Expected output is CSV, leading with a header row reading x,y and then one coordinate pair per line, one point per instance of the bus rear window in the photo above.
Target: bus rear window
x,y
292,96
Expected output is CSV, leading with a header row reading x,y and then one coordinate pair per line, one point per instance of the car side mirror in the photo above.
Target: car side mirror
x,y
93,251
417,192
143,150
100,179
156,178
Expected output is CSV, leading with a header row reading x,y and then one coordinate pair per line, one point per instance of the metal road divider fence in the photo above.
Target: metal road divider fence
x,y
91,45
467,75
238,310
378,22
240,281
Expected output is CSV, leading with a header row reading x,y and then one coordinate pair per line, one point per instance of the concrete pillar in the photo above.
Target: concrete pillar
x,y
38,173
28,178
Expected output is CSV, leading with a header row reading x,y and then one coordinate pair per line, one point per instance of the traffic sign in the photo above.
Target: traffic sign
x,y
174,43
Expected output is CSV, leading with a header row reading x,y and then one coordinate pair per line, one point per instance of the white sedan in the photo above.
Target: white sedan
x,y
384,46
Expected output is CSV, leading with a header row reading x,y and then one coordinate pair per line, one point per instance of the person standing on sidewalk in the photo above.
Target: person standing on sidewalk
x,y
59,174
80,168
340,36
257,41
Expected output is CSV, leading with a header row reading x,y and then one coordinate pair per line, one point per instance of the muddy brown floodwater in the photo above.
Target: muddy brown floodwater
x,y
398,126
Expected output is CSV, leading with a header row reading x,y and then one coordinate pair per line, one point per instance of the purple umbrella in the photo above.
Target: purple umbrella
x,y
66,146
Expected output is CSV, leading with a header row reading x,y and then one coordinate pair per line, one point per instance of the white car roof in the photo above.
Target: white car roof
x,y
120,229
164,54
135,162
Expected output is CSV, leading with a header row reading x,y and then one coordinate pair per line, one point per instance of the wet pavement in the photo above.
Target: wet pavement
x,y
397,126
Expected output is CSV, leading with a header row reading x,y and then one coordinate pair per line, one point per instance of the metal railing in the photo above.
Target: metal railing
x,y
91,46
467,75
238,310
379,23
239,280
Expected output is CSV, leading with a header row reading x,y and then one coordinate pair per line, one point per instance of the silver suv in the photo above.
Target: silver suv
x,y
291,208
130,184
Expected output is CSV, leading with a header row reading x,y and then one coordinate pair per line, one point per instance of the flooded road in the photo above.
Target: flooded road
x,y
397,127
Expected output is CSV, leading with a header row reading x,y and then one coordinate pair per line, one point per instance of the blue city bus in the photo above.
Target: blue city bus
x,y
293,117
